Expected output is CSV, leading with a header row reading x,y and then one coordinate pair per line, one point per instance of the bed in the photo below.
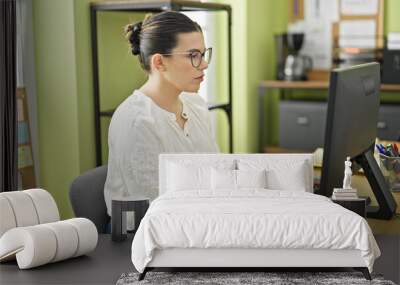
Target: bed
x,y
247,210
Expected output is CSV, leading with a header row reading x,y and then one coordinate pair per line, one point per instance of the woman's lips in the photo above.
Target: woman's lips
x,y
201,78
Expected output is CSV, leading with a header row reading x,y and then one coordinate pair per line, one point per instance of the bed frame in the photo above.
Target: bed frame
x,y
240,259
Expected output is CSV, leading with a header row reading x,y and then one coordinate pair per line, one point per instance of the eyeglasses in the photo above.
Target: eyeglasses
x,y
196,56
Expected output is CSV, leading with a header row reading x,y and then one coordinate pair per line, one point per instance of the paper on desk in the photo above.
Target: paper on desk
x,y
321,10
359,7
318,43
357,33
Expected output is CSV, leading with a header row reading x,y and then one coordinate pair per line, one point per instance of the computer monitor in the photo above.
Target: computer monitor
x,y
351,129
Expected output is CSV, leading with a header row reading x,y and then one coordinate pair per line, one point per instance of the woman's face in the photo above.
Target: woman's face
x,y
179,70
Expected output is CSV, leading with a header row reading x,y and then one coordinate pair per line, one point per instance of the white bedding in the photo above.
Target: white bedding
x,y
251,218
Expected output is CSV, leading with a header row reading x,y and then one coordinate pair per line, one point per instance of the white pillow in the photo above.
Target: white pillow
x,y
281,174
251,178
203,161
181,177
237,179
295,180
223,179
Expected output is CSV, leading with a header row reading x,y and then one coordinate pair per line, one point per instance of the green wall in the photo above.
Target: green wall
x,y
261,63
119,71
392,19
253,26
64,80
220,61
83,69
57,103
64,88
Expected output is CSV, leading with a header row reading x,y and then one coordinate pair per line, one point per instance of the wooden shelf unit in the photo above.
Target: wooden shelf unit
x,y
152,6
313,85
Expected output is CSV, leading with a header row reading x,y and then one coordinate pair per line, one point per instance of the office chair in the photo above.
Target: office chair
x,y
87,197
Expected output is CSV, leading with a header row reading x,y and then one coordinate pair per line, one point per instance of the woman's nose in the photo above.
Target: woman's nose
x,y
203,65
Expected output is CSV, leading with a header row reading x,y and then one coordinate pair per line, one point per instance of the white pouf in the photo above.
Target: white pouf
x,y
31,233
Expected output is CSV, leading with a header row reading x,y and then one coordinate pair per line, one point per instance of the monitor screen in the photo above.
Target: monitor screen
x,y
351,127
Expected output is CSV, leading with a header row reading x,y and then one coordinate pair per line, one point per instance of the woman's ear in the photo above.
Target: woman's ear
x,y
157,62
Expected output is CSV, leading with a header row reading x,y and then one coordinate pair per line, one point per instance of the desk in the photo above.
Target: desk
x,y
379,227
298,85
110,259
102,266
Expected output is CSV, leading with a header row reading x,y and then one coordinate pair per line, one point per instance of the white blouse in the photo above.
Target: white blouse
x,y
140,130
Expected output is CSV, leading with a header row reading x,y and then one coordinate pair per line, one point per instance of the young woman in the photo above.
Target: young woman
x,y
165,114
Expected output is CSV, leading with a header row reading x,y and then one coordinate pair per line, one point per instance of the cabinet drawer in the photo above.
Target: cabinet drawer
x,y
389,122
302,124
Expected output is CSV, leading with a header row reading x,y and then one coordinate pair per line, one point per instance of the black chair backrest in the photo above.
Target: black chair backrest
x,y
87,197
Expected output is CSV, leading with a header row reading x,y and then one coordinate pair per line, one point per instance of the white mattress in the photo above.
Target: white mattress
x,y
252,218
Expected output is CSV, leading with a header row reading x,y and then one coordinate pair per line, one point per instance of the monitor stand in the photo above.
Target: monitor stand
x,y
387,204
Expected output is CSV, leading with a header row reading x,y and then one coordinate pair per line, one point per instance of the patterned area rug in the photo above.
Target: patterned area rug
x,y
243,278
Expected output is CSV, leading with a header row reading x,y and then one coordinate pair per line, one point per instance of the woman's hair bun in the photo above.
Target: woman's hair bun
x,y
132,32
157,33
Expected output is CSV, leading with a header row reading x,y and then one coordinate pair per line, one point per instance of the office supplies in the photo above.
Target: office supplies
x,y
389,150
380,148
390,167
396,149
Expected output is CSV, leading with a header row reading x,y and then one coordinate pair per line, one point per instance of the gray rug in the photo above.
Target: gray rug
x,y
243,278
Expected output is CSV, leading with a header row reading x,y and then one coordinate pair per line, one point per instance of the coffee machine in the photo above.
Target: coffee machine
x,y
291,65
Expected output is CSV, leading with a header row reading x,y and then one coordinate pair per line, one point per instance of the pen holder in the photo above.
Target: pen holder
x,y
390,167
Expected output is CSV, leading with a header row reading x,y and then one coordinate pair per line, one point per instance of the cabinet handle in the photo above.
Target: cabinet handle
x,y
381,125
302,120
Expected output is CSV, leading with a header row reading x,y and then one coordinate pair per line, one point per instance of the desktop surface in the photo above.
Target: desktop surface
x,y
110,259
104,265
